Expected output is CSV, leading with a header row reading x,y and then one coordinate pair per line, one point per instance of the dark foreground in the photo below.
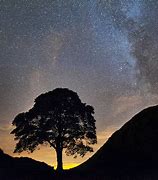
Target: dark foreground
x,y
131,153
29,169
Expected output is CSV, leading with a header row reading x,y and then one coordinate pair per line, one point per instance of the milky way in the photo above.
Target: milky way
x,y
105,50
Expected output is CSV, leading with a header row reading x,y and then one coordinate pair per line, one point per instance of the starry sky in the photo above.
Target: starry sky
x,y
105,50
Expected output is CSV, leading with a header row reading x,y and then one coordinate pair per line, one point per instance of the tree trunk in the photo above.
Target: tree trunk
x,y
59,149
59,159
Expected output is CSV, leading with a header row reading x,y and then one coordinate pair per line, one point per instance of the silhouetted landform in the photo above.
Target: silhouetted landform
x,y
23,168
132,151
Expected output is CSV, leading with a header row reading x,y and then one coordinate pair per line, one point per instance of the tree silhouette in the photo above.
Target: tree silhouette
x,y
60,119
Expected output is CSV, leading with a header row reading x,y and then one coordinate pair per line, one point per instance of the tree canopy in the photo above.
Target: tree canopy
x,y
60,119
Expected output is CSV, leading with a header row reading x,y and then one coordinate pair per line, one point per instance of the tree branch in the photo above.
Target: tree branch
x,y
52,145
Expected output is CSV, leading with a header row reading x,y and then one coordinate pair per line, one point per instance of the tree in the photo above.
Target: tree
x,y
60,119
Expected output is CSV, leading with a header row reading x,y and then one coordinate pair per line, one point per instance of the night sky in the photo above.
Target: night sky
x,y
105,50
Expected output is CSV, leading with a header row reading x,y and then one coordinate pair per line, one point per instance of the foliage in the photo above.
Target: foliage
x,y
60,119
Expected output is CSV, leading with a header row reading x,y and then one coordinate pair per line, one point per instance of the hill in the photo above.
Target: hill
x,y
131,151
23,168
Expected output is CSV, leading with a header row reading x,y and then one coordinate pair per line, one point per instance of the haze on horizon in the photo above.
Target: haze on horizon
x,y
105,50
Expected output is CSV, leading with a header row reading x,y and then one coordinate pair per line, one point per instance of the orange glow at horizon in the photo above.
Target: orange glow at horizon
x,y
47,154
